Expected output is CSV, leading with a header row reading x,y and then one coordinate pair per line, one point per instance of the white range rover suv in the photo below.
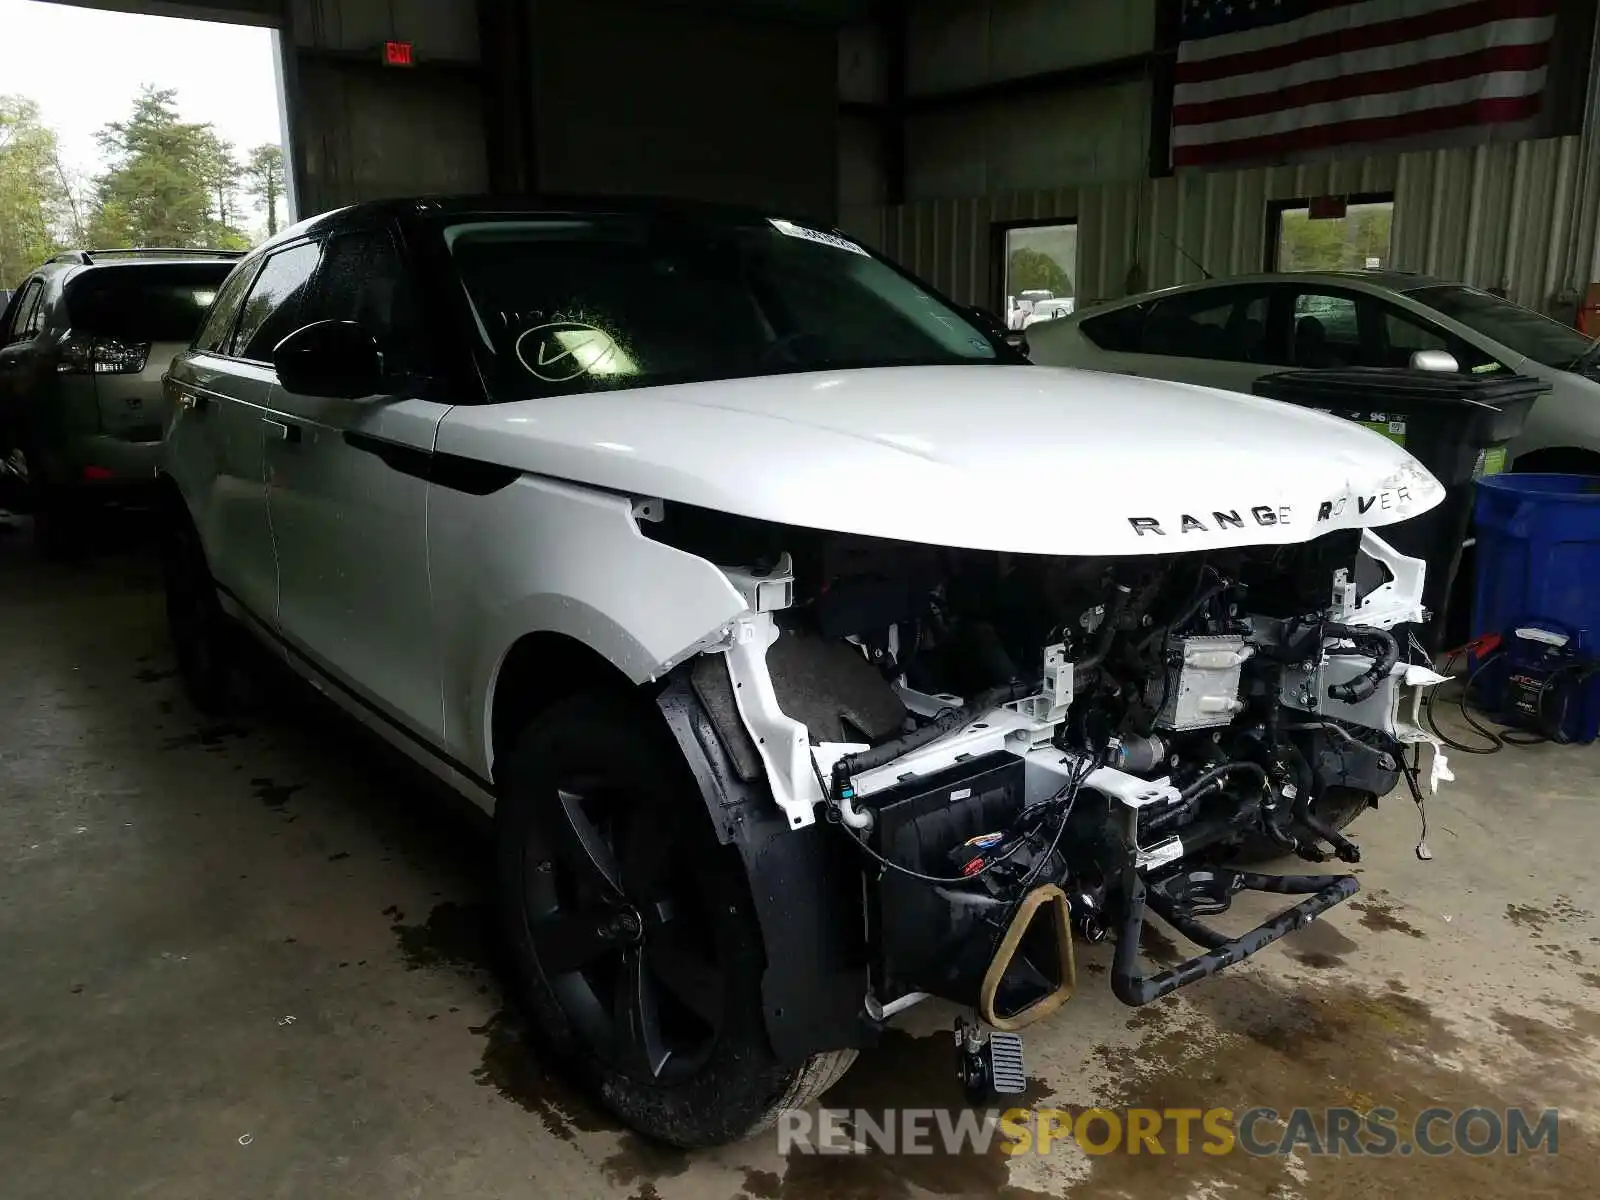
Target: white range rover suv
x,y
813,652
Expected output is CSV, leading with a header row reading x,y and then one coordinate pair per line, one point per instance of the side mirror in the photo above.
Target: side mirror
x,y
998,329
1435,360
330,358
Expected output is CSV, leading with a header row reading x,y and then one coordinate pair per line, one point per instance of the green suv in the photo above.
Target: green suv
x,y
84,343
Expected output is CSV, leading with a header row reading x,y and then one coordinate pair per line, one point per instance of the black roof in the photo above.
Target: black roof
x,y
425,207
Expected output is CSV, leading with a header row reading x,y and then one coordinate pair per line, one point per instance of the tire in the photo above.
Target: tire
x,y
633,937
1337,806
203,638
58,524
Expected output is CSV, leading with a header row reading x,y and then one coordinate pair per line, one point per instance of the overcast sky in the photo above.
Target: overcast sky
x,y
84,66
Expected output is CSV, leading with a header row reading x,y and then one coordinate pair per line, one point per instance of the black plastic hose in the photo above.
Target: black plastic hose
x,y
947,721
1107,632
1380,644
1217,773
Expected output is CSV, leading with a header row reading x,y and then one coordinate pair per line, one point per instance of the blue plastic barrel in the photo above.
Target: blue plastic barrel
x,y
1538,557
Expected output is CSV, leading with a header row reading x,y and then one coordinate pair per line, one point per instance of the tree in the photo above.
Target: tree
x,y
73,205
221,173
1032,270
31,196
169,183
263,179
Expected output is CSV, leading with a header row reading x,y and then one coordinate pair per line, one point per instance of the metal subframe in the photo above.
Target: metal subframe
x,y
1132,987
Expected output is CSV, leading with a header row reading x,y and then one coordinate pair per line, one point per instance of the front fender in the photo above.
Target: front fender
x,y
542,555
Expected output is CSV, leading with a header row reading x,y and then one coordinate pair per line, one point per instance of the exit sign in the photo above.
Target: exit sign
x,y
398,54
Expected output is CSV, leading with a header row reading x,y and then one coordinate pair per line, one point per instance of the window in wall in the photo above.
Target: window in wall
x,y
1040,265
1330,234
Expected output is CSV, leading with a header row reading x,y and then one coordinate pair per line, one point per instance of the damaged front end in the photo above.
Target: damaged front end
x,y
1015,752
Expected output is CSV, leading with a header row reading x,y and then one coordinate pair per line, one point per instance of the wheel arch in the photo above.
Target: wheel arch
x,y
538,669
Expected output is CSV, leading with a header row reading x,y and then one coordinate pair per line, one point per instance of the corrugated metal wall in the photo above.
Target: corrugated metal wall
x,y
361,131
1497,216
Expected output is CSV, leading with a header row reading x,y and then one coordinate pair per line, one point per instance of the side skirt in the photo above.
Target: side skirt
x,y
413,745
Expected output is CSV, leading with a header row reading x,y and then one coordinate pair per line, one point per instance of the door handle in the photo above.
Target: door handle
x,y
281,431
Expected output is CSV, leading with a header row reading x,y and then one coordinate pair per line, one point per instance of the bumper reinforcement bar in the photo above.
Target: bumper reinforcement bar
x,y
1179,898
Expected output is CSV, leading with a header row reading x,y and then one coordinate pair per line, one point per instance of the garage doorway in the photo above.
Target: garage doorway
x,y
1038,270
1330,233
104,111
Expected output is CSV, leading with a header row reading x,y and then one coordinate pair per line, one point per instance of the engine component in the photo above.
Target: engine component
x,y
1136,755
1200,688
1035,744
971,929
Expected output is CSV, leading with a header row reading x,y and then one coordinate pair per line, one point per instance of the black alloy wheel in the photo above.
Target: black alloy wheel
x,y
632,931
621,929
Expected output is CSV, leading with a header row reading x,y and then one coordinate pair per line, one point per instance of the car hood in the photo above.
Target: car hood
x,y
1025,459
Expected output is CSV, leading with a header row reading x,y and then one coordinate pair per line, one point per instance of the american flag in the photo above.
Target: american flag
x,y
1258,79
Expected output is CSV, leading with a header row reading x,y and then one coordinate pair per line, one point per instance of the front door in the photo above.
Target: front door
x,y
349,499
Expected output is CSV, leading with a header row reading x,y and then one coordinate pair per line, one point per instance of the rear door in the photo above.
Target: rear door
x,y
217,439
349,497
128,321
1218,337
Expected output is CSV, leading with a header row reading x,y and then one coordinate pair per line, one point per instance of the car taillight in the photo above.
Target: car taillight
x,y
85,355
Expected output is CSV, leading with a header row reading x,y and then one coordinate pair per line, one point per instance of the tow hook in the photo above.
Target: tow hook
x,y
1343,848
988,1065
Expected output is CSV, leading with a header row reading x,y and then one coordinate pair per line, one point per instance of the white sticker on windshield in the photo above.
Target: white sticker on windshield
x,y
790,229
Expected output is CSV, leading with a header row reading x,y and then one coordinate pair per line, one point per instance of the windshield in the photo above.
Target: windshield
x,y
581,303
146,303
1523,330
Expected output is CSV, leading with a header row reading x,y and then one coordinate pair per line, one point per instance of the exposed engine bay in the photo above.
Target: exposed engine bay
x,y
1026,749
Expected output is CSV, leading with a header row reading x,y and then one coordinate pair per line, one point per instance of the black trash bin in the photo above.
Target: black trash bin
x,y
1456,425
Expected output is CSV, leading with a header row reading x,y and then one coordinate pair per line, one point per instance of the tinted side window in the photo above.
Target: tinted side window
x,y
364,280
215,333
24,316
1121,329
34,321
1327,331
272,311
1227,323
1405,334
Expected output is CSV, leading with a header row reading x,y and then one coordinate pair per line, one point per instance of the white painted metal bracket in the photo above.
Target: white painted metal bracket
x,y
782,742
1397,601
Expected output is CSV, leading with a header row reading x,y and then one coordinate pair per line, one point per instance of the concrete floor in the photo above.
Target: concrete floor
x,y
252,961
